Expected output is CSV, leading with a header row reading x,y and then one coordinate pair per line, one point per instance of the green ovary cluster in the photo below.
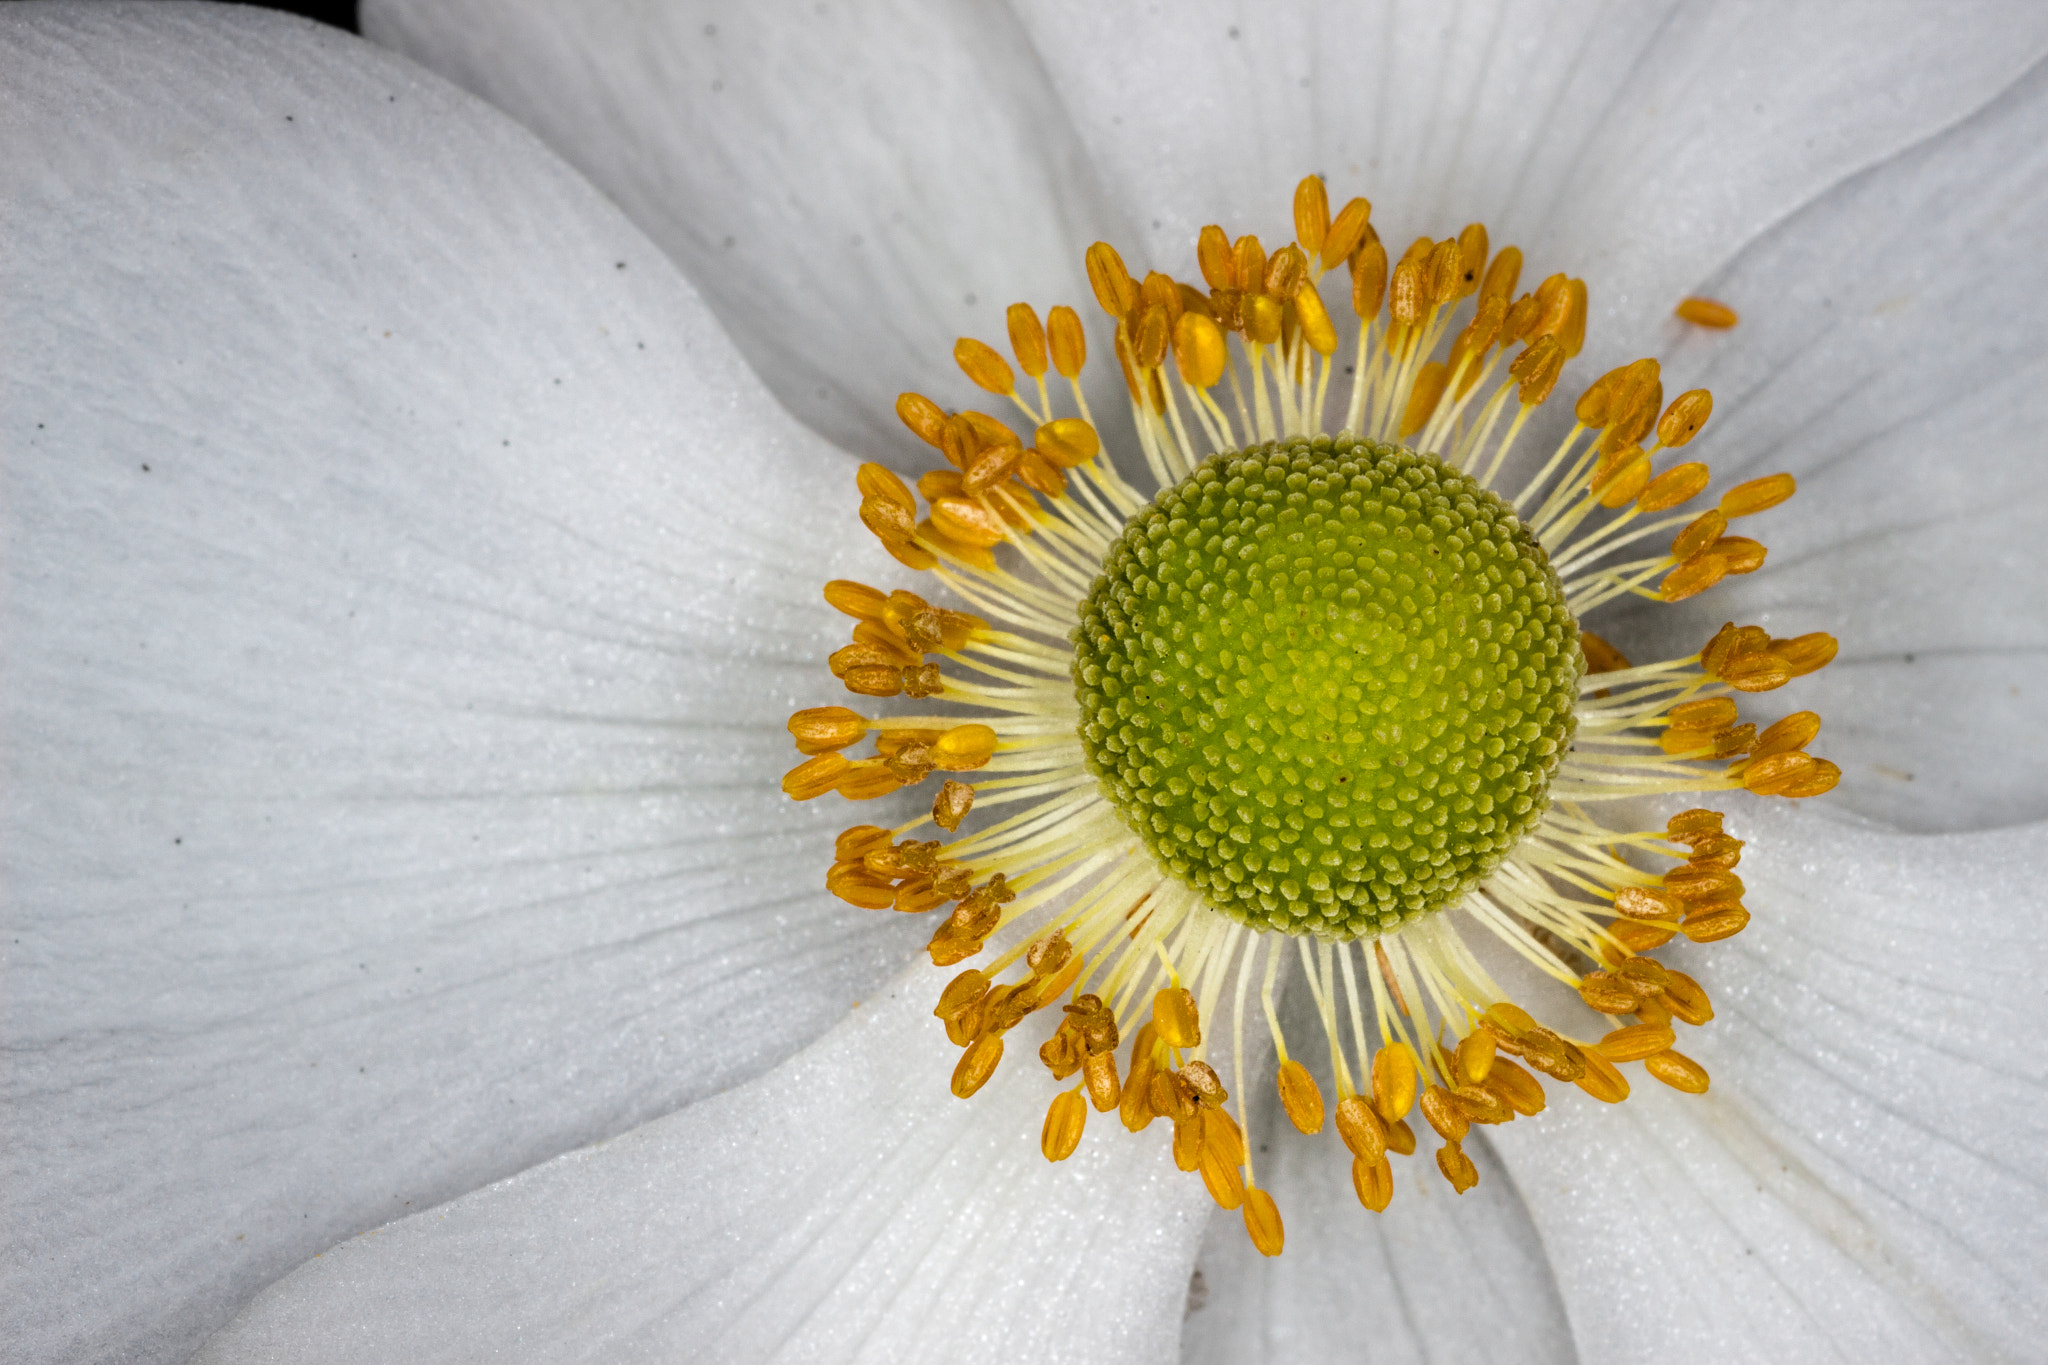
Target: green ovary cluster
x,y
1327,683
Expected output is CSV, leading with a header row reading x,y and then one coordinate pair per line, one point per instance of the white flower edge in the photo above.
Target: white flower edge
x,y
404,591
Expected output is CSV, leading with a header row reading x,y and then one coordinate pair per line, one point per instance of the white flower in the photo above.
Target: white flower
x,y
396,656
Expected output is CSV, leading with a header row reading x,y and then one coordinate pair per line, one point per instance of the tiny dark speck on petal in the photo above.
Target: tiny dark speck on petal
x,y
1909,658
145,469
622,265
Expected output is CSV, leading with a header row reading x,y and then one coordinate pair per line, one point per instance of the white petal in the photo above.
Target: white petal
x,y
1894,357
1438,1276
1636,146
405,584
1861,1181
851,186
844,1207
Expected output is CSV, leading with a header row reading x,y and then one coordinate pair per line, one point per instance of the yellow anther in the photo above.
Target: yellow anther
x,y
1368,279
1686,1000
1285,272
1149,339
1068,441
1175,1017
1740,553
1538,369
1300,1097
1311,214
1471,258
1678,1071
1675,486
1457,1167
951,805
1409,295
1064,1120
1207,1086
1690,825
1711,924
1757,495
1553,304
1602,992
1160,291
1199,350
1187,1141
815,777
1221,1177
1347,234
926,419
964,520
823,729
1423,396
1699,535
1443,272
1711,713
856,843
1250,263
1393,1081
1804,654
1363,1130
977,1064
1622,477
1475,1056
1595,407
1515,1087
989,468
1601,657
1316,328
1027,339
1262,1222
1521,317
1692,578
876,482
964,748
1684,418
1262,316
984,365
1635,1042
1373,1181
855,599
1214,256
1571,333
1502,274
1706,313
1114,288
1444,1115
866,780
1601,1079
1098,1073
1791,775
1068,341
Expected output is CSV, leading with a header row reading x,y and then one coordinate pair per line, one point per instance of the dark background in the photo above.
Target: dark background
x,y
340,13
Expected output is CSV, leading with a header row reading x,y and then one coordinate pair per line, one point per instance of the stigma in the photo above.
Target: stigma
x,y
1308,704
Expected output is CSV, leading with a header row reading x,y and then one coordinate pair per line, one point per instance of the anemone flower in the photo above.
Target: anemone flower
x,y
413,557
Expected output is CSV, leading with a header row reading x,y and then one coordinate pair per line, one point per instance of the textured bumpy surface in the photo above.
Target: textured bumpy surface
x,y
1327,682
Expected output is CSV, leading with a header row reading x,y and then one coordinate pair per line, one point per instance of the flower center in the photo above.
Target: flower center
x,y
1327,683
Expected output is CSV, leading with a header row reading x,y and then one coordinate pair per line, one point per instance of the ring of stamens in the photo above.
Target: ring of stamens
x,y
1076,909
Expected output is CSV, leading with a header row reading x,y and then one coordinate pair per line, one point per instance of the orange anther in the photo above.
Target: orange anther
x,y
1804,654
1027,339
1502,275
1595,407
1262,1222
1635,1042
1699,534
1361,1127
875,481
1757,495
1622,477
1250,260
1393,1081
1601,657
1199,351
1642,902
926,419
981,363
1114,288
814,778
1316,328
1693,577
1706,313
1160,291
1684,418
1426,393
1601,1080
1471,258
1686,999
1299,1097
1475,1056
989,468
1457,1167
977,1064
1711,924
855,599
1444,1115
866,780
1064,1120
1347,233
1069,441
1368,279
1311,214
964,520
1678,1071
1373,1182
823,729
1742,554
1538,369
1150,337
1409,294
1221,1177
1286,272
1217,261
1708,714
1607,995
1443,272
1262,316
1675,486
951,805
1175,1017
1068,340
964,747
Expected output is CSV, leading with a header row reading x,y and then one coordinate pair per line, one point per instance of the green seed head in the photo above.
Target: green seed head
x,y
1327,681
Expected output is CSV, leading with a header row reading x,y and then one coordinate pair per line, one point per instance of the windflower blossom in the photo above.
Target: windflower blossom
x,y
407,586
